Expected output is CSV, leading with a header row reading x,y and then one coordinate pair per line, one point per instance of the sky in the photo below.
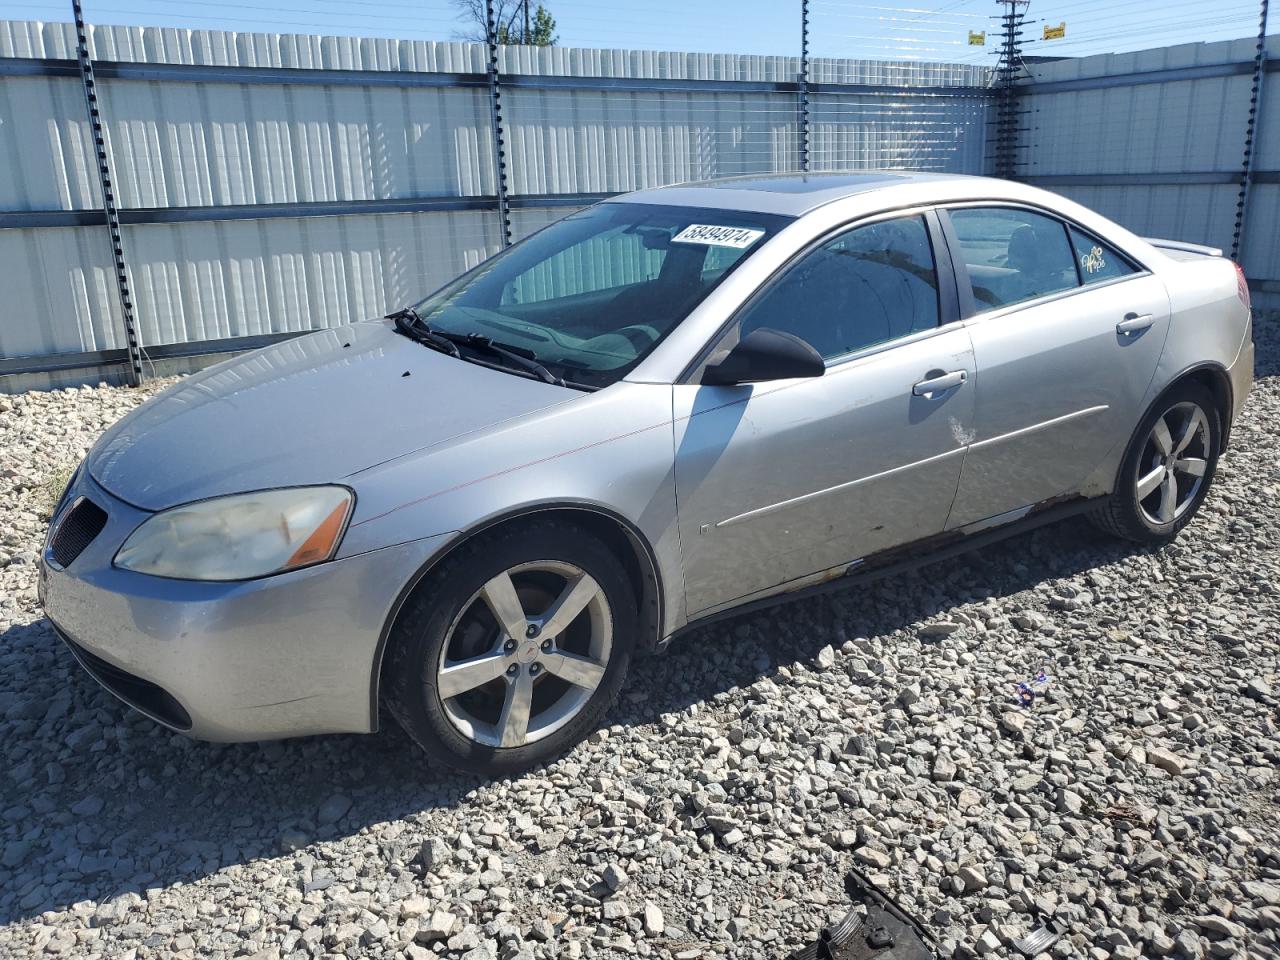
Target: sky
x,y
930,30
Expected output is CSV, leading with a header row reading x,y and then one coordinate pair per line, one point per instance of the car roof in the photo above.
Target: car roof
x,y
794,194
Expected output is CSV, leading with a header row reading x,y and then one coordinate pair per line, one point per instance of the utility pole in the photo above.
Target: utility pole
x,y
527,38
1007,112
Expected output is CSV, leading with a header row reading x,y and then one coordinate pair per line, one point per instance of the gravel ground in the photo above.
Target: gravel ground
x,y
1136,802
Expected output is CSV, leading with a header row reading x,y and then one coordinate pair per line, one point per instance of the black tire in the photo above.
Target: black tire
x,y
1122,513
422,628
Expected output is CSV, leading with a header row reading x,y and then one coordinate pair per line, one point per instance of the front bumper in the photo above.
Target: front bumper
x,y
282,656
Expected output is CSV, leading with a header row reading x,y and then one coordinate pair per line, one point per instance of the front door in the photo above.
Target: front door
x,y
1066,337
780,481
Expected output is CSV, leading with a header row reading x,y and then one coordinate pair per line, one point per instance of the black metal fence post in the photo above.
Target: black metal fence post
x,y
804,85
1007,112
132,347
495,112
1251,133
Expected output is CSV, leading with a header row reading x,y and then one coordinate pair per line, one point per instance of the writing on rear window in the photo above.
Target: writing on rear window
x,y
714,236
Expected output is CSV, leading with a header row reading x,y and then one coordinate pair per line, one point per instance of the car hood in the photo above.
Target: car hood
x,y
315,409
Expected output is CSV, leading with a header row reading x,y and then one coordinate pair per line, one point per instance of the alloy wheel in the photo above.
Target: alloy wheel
x,y
1171,470
525,654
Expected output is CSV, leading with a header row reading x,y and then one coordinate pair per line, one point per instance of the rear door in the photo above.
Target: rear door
x,y
778,482
1066,334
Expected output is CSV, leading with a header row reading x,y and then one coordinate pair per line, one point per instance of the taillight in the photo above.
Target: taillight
x,y
1242,286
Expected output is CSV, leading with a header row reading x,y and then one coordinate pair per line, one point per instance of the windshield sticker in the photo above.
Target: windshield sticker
x,y
705,233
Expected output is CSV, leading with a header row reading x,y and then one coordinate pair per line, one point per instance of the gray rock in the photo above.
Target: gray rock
x,y
614,877
654,923
1220,926
435,854
1258,689
944,771
438,926
90,806
1268,893
939,628
1167,761
874,856
1026,783
1187,945
334,808
414,906
16,853
465,939
542,930
973,878
615,909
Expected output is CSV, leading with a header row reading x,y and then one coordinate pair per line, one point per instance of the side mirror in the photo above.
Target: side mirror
x,y
766,354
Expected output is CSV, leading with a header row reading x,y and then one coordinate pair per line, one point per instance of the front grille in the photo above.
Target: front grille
x,y
150,698
76,530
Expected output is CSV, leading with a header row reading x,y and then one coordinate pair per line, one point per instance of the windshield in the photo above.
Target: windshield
x,y
592,294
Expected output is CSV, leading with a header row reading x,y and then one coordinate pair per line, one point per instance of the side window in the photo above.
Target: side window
x,y
1013,255
1097,260
866,286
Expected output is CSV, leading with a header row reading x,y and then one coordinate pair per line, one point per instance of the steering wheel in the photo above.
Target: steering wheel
x,y
640,334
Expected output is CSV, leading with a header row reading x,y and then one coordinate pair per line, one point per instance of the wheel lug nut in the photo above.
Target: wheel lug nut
x,y
512,670
532,631
509,646
546,646
534,669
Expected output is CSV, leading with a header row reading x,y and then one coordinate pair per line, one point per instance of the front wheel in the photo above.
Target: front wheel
x,y
1168,469
514,649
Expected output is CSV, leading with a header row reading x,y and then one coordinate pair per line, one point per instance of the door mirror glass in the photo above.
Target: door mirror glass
x,y
766,354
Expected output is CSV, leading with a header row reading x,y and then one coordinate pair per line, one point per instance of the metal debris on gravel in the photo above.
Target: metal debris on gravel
x,y
1135,805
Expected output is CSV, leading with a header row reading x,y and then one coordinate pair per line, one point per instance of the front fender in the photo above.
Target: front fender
x,y
611,451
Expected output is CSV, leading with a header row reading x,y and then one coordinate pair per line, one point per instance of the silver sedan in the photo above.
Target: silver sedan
x,y
664,408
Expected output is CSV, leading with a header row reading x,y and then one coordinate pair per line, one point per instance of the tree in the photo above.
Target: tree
x,y
516,23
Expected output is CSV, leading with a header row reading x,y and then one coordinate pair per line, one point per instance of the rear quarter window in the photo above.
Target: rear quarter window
x,y
1097,261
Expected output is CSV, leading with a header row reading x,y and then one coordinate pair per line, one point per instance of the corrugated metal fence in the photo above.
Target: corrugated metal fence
x,y
1155,140
270,184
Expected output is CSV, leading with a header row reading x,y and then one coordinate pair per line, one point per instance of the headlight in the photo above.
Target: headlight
x,y
241,536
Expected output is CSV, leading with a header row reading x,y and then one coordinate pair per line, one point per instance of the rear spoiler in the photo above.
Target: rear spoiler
x,y
1184,247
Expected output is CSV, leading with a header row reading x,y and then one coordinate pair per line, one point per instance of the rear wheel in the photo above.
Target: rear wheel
x,y
1168,468
514,649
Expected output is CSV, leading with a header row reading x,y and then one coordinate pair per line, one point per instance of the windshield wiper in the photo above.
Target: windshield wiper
x,y
518,357
409,324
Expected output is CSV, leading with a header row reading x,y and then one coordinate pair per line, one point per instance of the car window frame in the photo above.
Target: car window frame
x,y
969,309
949,307
1133,265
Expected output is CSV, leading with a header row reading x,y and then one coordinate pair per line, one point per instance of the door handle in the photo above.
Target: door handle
x,y
1132,323
940,383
